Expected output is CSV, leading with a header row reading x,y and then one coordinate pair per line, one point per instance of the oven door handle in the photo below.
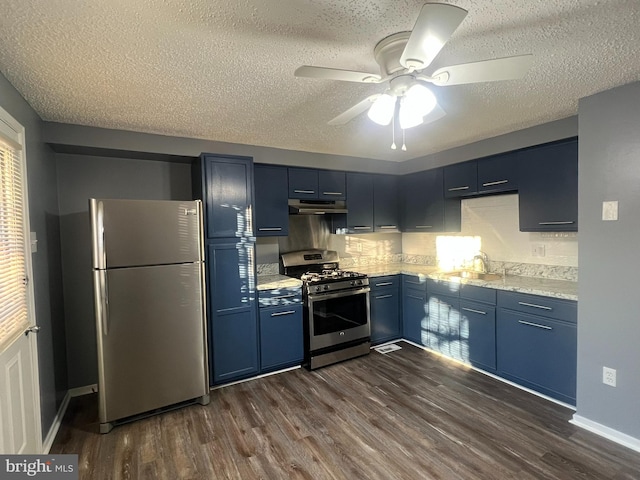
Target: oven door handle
x,y
344,293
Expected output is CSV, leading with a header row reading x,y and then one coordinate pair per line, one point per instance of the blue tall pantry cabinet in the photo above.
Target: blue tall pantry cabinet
x,y
225,184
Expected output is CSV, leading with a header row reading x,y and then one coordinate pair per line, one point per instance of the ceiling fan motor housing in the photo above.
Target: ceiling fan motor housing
x,y
388,52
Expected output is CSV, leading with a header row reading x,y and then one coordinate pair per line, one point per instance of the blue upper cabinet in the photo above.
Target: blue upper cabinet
x,y
271,209
332,185
360,206
386,203
548,187
227,189
461,179
498,173
311,184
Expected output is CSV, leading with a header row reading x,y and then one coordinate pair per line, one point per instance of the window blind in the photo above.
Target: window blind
x,y
13,288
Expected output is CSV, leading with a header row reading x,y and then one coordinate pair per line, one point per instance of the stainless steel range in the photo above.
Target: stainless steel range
x,y
336,307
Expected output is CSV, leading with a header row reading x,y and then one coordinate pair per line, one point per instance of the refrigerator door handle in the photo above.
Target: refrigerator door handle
x,y
103,305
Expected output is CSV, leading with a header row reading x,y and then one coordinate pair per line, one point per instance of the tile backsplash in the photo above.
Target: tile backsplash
x,y
489,224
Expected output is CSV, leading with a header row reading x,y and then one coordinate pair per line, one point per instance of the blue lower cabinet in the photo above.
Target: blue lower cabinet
x,y
444,325
538,352
478,334
415,310
281,337
385,309
234,338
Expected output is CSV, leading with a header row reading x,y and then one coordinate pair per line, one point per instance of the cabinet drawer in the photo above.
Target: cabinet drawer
x,y
279,296
414,282
443,287
390,281
478,294
566,310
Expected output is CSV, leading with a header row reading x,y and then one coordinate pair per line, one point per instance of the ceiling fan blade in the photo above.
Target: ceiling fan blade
x,y
436,114
435,25
337,74
354,111
507,68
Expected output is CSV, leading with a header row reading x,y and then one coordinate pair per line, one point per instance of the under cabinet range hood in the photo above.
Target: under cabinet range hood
x,y
316,207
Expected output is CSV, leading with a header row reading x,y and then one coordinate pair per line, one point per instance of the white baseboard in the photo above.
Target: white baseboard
x,y
606,432
57,421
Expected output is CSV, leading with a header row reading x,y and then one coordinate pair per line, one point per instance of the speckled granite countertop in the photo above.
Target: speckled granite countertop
x,y
271,282
533,285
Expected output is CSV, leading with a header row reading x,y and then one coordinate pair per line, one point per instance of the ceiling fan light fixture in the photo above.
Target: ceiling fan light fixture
x,y
409,116
420,99
381,112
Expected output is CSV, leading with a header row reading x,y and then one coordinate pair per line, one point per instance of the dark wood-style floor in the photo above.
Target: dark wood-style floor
x,y
405,415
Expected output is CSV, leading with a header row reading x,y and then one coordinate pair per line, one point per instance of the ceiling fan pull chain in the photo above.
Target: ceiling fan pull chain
x,y
393,131
404,147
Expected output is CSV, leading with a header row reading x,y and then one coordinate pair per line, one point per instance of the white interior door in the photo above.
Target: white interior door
x,y
19,412
20,428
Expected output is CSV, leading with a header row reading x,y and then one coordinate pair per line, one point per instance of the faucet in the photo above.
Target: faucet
x,y
481,259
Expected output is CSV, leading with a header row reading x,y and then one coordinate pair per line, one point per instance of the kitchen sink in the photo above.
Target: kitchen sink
x,y
474,275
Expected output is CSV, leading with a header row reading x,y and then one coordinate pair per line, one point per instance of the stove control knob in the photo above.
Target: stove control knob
x,y
352,283
318,288
326,287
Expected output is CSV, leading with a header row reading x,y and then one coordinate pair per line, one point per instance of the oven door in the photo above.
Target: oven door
x,y
339,317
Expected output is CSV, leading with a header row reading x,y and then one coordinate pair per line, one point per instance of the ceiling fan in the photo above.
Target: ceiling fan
x,y
403,56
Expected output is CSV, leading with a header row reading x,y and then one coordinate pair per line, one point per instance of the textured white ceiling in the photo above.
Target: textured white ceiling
x,y
223,70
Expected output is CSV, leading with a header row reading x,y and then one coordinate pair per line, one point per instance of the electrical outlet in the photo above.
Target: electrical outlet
x,y
537,250
359,246
609,376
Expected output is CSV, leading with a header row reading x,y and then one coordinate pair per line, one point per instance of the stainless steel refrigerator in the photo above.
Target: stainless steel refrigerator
x,y
148,275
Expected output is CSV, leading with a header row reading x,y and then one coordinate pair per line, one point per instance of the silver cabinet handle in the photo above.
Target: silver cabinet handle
x,y
537,325
416,297
383,296
270,229
542,307
455,189
387,226
383,284
285,296
498,182
362,228
424,226
474,311
569,222
304,191
278,314
412,283
332,193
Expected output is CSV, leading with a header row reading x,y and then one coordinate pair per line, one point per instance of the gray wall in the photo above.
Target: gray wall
x,y
80,178
609,258
43,213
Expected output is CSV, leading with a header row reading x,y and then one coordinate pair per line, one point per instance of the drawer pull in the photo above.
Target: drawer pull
x,y
537,325
455,189
474,311
416,297
412,283
305,191
332,193
383,284
424,226
279,314
362,228
491,184
388,226
270,229
542,307
284,296
383,296
557,223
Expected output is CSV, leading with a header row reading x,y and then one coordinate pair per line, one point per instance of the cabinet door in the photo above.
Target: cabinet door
x,y
271,208
331,185
233,332
478,334
423,201
360,206
415,312
498,173
461,179
228,196
548,188
537,352
281,337
386,205
303,183
385,314
444,325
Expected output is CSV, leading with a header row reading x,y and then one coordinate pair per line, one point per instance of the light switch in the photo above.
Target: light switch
x,y
33,239
610,210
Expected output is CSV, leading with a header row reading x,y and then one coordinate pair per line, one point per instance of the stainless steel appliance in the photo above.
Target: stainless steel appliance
x,y
148,275
336,307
